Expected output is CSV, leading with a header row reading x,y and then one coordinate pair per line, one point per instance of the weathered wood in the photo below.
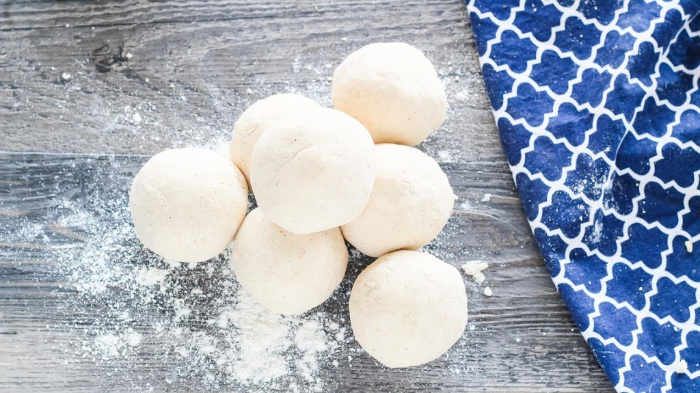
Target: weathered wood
x,y
523,338
194,70
195,66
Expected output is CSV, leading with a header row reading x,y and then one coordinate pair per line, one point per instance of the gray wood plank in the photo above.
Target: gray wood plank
x,y
195,66
190,77
522,340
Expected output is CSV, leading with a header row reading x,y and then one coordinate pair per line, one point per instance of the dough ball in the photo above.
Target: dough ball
x,y
187,204
284,272
410,203
313,171
258,118
393,89
408,308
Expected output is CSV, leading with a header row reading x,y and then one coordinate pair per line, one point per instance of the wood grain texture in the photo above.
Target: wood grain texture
x,y
523,338
195,66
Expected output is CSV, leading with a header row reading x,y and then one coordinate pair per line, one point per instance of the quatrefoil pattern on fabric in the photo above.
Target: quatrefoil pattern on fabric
x,y
598,107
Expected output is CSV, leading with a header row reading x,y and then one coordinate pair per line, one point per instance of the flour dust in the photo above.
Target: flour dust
x,y
194,316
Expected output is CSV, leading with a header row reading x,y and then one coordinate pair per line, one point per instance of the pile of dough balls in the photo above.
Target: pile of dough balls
x,y
321,177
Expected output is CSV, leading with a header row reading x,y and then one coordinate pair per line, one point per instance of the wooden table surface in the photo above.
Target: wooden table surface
x,y
133,77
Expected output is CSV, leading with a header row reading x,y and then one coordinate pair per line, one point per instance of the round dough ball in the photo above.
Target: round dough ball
x,y
187,204
284,272
408,308
313,171
410,203
258,118
393,89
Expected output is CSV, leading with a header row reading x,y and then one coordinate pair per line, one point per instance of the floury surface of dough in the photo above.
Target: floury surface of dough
x,y
393,90
284,272
410,204
313,171
408,308
258,118
187,204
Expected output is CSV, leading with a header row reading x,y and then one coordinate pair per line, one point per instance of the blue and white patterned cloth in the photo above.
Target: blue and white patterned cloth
x,y
598,107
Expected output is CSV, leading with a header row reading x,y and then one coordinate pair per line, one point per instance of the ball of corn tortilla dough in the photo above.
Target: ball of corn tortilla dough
x,y
393,89
408,308
313,171
410,204
284,272
187,204
258,118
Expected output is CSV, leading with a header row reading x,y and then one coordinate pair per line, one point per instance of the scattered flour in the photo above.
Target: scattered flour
x,y
196,315
108,344
151,276
488,292
486,198
445,156
475,269
689,246
682,367
597,233
115,344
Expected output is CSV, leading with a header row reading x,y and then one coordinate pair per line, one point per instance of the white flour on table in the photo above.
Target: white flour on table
x,y
149,301
475,270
